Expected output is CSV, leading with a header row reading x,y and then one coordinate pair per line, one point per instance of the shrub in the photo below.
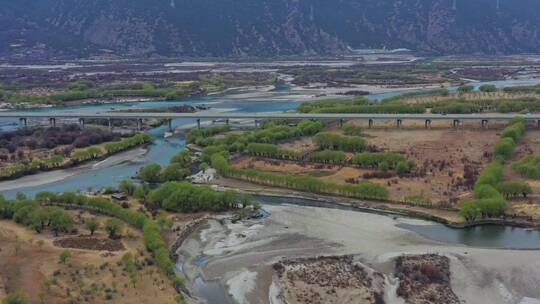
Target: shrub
x,y
113,228
65,255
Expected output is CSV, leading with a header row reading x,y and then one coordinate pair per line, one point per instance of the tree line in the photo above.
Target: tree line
x,y
384,162
76,156
186,197
510,135
365,189
93,152
333,141
29,213
489,190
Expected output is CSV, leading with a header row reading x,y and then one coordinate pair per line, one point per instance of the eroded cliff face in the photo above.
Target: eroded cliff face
x,y
265,27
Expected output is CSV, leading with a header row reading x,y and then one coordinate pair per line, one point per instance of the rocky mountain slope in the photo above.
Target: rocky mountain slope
x,y
75,28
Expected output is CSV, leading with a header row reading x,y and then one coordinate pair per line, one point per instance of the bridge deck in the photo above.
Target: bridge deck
x,y
142,115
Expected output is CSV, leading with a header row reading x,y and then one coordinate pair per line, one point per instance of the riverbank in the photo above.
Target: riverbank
x,y
219,252
450,218
44,178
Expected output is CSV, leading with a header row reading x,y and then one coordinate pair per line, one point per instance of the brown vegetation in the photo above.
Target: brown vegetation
x,y
425,279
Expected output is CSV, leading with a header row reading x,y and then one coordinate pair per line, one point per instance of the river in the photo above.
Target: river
x,y
424,234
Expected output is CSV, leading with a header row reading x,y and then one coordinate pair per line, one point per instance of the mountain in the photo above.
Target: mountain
x,y
199,28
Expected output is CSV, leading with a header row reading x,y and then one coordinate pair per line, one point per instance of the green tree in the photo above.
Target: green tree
x,y
39,218
174,172
114,228
65,255
505,148
402,167
515,188
92,225
465,89
150,173
60,221
488,88
469,210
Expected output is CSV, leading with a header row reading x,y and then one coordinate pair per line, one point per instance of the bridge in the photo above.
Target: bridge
x,y
371,118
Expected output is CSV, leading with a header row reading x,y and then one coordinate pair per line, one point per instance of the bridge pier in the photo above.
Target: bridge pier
x,y
428,124
52,122
341,122
23,122
538,124
81,122
198,123
110,123
139,124
227,121
169,125
370,123
484,123
399,123
456,123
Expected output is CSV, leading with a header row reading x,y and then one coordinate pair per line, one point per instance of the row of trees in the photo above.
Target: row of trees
x,y
365,190
310,107
375,108
186,197
328,157
528,167
271,133
36,165
384,162
272,151
80,92
94,152
196,134
380,161
506,145
151,231
332,141
489,190
31,214
488,200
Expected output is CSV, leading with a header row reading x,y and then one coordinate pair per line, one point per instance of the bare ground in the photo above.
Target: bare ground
x,y
89,276
328,280
441,154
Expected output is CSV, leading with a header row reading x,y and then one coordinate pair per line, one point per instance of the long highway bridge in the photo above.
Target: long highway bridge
x,y
371,118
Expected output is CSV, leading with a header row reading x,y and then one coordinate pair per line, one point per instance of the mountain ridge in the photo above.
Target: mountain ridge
x,y
264,28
